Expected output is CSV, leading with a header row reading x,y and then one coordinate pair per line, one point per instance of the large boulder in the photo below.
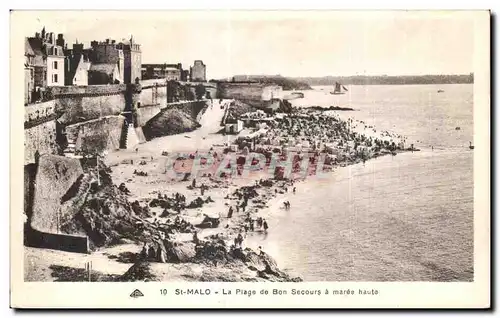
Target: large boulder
x,y
56,175
169,122
181,252
140,271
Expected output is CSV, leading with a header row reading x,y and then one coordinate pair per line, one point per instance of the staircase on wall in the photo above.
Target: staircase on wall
x,y
129,137
71,147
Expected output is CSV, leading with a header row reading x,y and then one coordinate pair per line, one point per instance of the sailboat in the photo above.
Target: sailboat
x,y
339,89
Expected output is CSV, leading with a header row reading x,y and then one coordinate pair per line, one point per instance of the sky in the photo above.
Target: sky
x,y
286,43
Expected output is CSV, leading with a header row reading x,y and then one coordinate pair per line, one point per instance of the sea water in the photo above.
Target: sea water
x,y
396,218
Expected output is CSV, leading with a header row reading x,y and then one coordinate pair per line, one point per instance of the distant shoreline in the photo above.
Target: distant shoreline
x,y
388,80
407,84
302,83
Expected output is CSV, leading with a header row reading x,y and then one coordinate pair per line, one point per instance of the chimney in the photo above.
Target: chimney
x,y
60,40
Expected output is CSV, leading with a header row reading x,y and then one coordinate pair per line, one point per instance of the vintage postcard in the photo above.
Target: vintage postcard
x,y
250,159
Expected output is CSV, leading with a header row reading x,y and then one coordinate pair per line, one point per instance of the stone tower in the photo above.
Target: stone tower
x,y
132,57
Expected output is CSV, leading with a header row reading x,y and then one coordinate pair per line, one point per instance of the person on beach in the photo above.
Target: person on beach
x,y
294,190
144,251
230,213
265,226
240,239
196,240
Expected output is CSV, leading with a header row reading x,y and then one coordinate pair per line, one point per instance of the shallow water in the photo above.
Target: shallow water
x,y
402,218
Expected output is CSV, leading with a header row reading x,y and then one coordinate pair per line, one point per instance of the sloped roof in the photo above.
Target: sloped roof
x,y
51,50
107,68
36,45
27,48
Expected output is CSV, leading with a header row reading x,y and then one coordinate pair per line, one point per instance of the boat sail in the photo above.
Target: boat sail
x,y
339,89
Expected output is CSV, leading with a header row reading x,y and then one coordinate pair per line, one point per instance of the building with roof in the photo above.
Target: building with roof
x,y
29,72
39,61
103,74
107,52
152,71
172,74
44,63
198,72
233,125
168,71
55,65
77,66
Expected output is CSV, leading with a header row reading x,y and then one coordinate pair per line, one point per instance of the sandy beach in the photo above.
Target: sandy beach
x,y
240,204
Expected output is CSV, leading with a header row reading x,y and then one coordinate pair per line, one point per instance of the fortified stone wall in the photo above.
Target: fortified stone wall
x,y
41,138
59,241
55,175
152,82
98,135
153,96
249,91
92,90
36,112
191,108
78,103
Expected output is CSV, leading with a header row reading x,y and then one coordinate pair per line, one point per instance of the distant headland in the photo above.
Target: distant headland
x,y
286,83
303,83
388,80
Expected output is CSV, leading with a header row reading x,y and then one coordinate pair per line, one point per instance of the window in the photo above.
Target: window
x,y
55,65
55,52
55,78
